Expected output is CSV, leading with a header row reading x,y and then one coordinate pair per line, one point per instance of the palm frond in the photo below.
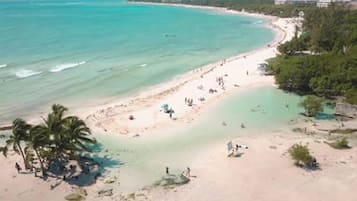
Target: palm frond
x,y
4,150
15,148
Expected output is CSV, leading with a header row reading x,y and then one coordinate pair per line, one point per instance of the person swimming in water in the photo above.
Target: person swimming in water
x,y
242,125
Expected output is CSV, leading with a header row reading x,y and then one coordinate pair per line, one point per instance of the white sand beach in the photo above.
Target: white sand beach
x,y
238,73
264,172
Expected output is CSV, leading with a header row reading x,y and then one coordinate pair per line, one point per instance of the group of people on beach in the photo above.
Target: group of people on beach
x,y
220,82
186,173
223,62
31,168
18,167
189,101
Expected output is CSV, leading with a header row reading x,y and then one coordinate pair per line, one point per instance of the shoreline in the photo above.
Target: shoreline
x,y
210,173
221,9
144,106
167,87
264,172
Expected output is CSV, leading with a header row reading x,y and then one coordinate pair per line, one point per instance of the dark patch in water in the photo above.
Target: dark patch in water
x,y
324,116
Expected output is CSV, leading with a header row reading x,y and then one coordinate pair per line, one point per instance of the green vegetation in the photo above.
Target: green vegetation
x,y
323,59
172,180
301,154
340,144
312,105
53,142
344,131
74,197
351,96
19,133
257,6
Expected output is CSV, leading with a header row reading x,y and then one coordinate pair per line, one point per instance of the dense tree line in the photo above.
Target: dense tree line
x,y
323,59
257,6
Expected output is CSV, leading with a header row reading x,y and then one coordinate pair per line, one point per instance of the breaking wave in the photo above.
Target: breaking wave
x,y
63,67
26,73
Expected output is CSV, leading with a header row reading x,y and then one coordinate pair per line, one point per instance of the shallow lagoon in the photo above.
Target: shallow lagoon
x,y
144,158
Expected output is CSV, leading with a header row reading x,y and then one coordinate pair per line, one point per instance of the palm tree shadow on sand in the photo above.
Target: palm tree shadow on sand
x,y
87,169
93,165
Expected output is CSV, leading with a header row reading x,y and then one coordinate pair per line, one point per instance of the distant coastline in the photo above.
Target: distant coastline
x,y
262,169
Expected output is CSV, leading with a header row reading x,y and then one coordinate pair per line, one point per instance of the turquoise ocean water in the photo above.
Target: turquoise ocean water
x,y
77,51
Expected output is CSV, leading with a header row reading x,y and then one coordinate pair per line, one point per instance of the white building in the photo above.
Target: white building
x,y
277,2
318,3
325,3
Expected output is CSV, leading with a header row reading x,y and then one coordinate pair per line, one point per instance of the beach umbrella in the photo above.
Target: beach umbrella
x,y
165,106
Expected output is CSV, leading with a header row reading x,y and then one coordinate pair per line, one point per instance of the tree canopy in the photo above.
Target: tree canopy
x,y
53,142
312,105
258,6
321,60
329,68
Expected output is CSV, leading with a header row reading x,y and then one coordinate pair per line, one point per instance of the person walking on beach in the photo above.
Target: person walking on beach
x,y
170,112
167,170
18,168
188,172
242,125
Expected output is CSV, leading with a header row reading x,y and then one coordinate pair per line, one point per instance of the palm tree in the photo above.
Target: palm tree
x,y
54,129
65,135
54,140
77,133
4,150
20,132
39,139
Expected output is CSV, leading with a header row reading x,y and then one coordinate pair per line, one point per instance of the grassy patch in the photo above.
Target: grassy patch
x,y
344,131
339,144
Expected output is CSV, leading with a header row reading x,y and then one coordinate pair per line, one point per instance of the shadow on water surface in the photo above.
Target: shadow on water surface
x,y
93,165
104,160
324,116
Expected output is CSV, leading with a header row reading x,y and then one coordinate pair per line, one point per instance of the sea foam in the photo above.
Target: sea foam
x,y
3,65
26,73
259,22
62,67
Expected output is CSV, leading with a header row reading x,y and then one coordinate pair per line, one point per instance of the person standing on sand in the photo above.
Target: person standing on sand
x,y
188,172
167,170
18,168
170,113
237,148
